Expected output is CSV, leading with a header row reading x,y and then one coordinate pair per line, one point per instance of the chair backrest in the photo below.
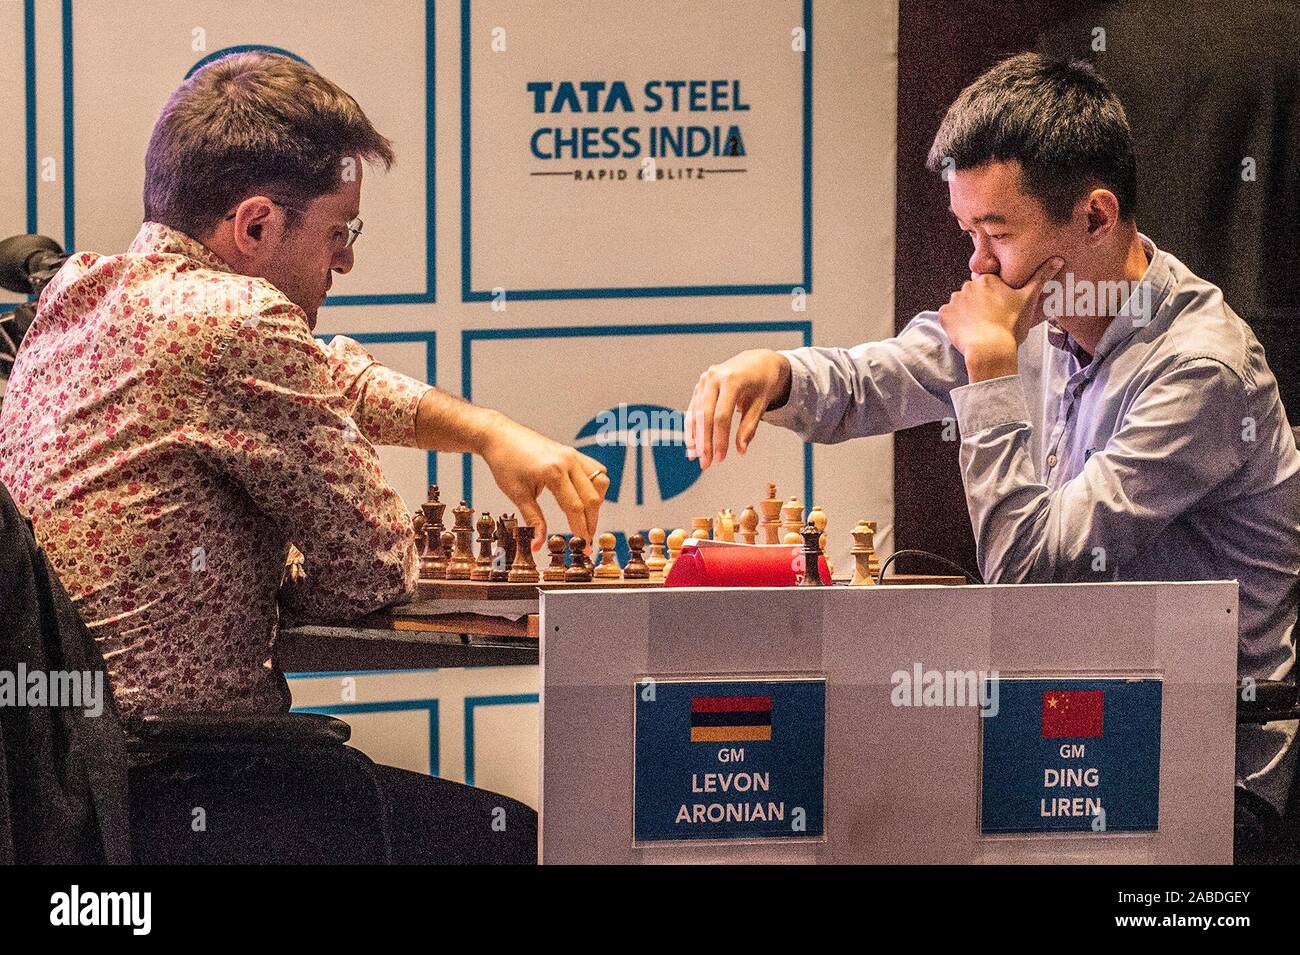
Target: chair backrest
x,y
66,767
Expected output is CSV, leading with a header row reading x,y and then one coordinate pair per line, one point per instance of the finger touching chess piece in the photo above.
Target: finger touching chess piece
x,y
578,572
555,571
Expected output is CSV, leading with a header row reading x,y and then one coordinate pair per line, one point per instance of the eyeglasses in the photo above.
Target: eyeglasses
x,y
354,226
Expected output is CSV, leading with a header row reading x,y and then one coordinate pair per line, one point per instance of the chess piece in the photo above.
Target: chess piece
x,y
701,528
724,526
749,525
506,526
523,570
865,563
637,568
461,563
578,572
555,571
793,538
447,543
655,560
770,509
792,517
608,569
817,518
812,574
675,541
433,559
417,525
483,562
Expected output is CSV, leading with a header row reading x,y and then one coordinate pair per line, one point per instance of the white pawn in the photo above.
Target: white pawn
x,y
675,541
608,569
656,560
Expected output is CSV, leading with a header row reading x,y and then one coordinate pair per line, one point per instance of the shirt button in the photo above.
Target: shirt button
x,y
1051,460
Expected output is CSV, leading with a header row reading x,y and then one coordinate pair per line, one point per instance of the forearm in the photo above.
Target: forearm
x,y
836,394
445,422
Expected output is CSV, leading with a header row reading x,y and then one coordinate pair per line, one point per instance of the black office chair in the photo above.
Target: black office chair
x,y
300,759
67,798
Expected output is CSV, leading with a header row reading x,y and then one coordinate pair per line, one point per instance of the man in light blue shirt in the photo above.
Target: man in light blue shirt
x,y
1118,420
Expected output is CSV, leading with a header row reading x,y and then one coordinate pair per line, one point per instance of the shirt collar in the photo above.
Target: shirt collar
x,y
154,238
1138,310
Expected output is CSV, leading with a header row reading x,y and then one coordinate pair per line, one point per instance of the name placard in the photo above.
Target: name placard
x,y
1072,755
729,759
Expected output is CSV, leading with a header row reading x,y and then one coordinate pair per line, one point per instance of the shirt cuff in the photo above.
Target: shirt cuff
x,y
802,394
989,404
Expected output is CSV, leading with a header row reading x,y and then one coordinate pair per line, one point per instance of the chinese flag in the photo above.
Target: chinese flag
x,y
1071,713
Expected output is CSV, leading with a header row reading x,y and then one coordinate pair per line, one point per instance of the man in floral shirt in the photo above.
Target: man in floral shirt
x,y
172,426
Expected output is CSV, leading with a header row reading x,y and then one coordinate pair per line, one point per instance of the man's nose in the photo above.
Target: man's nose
x,y
982,262
342,263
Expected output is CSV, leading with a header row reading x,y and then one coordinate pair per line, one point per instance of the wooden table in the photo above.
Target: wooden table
x,y
407,637
399,641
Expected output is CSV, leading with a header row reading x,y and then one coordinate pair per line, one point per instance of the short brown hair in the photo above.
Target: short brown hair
x,y
247,123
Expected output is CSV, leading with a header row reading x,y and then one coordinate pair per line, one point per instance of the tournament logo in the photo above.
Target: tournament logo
x,y
637,432
629,430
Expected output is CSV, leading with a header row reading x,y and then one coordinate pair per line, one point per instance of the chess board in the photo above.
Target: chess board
x,y
489,590
504,590
493,558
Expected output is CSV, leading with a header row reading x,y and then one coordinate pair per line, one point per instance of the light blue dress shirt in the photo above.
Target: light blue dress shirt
x,y
1167,457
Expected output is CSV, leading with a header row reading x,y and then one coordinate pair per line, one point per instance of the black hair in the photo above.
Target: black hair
x,y
1059,119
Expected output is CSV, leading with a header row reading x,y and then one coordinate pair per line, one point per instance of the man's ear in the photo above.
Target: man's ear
x,y
254,220
1101,209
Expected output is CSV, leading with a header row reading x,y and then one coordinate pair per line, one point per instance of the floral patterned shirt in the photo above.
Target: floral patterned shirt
x,y
170,428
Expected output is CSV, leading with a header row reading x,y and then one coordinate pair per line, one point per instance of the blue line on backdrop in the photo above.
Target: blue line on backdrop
x,y
471,703
398,298
469,294
390,706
